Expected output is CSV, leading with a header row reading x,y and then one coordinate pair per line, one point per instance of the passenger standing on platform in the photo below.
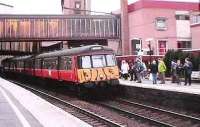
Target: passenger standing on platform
x,y
161,69
154,71
139,69
124,69
173,71
179,69
188,71
133,71
144,71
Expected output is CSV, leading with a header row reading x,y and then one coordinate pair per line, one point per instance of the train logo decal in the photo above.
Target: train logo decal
x,y
98,74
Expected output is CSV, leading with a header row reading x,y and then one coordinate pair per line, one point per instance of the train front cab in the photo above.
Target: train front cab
x,y
97,69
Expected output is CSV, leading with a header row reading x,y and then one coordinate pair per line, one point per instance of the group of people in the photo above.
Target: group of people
x,y
137,70
177,68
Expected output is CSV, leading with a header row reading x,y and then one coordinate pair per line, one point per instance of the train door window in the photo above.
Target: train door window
x,y
50,63
98,61
66,63
85,62
37,63
110,60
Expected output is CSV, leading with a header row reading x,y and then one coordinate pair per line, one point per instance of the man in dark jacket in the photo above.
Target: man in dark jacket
x,y
133,71
188,71
154,71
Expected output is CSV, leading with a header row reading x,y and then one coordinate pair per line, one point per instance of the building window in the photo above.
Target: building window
x,y
184,45
77,7
195,19
136,46
162,47
161,23
182,17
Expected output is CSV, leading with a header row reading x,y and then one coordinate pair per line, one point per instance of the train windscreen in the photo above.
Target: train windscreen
x,y
96,61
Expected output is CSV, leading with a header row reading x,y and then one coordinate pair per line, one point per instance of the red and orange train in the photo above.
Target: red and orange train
x,y
87,66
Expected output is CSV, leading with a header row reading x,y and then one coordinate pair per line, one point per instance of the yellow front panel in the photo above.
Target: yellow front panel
x,y
98,74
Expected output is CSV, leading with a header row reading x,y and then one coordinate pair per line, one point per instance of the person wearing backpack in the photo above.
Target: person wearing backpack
x,y
161,69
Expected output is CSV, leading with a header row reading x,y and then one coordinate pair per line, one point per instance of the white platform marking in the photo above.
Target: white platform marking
x,y
16,110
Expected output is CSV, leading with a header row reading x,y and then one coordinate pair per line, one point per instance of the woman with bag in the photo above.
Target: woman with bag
x,y
154,71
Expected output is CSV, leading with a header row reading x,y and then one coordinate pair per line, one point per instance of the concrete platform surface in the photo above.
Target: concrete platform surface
x,y
21,108
168,86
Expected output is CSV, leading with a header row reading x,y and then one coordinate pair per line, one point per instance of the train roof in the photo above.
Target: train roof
x,y
75,51
21,57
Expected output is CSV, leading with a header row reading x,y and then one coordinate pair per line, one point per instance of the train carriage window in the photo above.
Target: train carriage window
x,y
28,63
111,61
65,63
37,63
98,61
85,62
20,64
50,63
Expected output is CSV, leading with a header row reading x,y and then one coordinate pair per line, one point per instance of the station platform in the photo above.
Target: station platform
x,y
21,108
168,86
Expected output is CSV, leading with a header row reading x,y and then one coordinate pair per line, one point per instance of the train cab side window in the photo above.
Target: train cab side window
x,y
65,63
50,63
111,61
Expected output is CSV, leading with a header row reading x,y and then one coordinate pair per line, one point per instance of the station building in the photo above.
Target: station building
x,y
74,6
195,30
161,25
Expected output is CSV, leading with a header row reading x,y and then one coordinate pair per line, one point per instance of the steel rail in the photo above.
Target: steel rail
x,y
161,110
131,114
79,109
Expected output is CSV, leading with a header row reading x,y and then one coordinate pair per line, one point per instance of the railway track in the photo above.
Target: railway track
x,y
152,115
87,116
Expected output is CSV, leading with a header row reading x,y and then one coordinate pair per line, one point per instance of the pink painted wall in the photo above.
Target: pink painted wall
x,y
85,5
195,29
142,25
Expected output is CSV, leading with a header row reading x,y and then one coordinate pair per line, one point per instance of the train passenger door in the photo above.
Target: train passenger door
x,y
65,68
50,67
38,67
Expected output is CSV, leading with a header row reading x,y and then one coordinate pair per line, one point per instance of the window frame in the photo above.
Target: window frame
x,y
164,21
61,61
49,61
38,63
92,66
